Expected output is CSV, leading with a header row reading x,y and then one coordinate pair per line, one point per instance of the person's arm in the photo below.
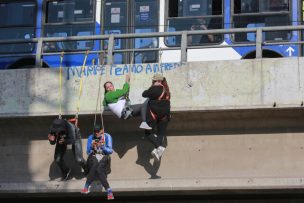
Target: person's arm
x,y
210,36
107,148
112,97
153,92
89,145
52,138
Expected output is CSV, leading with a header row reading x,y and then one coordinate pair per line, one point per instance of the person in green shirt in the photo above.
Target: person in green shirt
x,y
116,100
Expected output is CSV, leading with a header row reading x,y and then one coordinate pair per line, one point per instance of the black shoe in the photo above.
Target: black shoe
x,y
66,175
155,177
85,172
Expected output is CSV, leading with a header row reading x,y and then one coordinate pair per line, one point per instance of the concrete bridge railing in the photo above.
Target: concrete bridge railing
x,y
240,84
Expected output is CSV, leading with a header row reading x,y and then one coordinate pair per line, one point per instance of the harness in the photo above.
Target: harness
x,y
154,116
103,140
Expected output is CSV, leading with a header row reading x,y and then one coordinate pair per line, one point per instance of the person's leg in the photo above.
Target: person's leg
x,y
143,113
153,138
60,150
136,109
101,172
92,165
141,109
102,176
161,132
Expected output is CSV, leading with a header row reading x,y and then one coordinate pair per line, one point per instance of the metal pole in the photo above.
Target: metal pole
x,y
38,62
259,39
184,45
110,50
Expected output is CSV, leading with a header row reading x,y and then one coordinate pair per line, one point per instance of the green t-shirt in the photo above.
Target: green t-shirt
x,y
113,96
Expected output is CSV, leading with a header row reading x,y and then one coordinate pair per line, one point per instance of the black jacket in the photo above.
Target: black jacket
x,y
65,129
159,106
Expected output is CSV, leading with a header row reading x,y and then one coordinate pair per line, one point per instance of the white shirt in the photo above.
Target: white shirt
x,y
117,107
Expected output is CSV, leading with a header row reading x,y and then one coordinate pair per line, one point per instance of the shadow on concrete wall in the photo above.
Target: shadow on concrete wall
x,y
126,136
21,162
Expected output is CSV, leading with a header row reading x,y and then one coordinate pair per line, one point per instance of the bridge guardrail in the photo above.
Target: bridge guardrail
x,y
259,43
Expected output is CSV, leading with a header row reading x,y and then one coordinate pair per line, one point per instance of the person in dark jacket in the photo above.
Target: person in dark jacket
x,y
99,148
63,133
158,115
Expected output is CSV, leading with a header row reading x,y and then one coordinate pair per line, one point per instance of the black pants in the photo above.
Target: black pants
x,y
99,169
60,151
159,127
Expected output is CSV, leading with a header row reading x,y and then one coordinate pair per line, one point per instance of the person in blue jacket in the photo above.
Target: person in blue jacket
x,y
99,148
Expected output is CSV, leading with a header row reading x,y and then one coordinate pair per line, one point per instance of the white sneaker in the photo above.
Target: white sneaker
x,y
144,125
160,151
155,154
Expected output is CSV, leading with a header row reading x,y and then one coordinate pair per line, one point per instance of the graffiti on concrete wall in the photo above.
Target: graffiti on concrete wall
x,y
117,70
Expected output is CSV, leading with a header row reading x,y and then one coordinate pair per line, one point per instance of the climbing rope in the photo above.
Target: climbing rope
x,y
129,74
80,87
99,98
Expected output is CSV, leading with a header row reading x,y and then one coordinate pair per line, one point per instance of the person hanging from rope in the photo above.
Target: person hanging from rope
x,y
99,148
116,100
63,133
159,113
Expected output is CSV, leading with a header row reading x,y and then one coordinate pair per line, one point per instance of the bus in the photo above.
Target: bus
x,y
28,19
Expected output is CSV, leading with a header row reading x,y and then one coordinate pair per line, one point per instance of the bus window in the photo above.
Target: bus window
x,y
253,6
69,18
17,21
132,16
69,11
115,22
146,18
194,15
257,13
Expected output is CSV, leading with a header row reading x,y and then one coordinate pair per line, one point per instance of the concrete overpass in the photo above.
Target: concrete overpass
x,y
236,126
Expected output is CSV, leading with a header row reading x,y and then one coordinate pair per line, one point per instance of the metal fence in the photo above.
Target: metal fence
x,y
184,46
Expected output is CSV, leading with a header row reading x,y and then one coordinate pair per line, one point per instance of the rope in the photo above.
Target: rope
x,y
129,74
80,87
60,86
99,96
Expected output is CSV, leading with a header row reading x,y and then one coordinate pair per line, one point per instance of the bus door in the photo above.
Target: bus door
x,y
132,16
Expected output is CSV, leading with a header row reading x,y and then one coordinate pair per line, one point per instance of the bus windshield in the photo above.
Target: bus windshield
x,y
17,21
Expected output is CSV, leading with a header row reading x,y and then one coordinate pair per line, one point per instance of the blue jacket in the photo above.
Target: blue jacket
x,y
106,149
